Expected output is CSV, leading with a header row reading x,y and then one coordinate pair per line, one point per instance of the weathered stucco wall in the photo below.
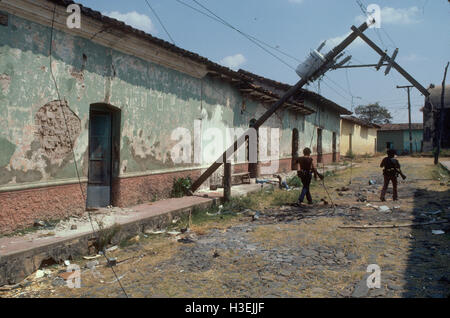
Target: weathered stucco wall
x,y
154,101
363,138
395,137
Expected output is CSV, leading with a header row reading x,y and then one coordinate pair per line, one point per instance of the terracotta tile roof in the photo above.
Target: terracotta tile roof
x,y
360,122
401,127
301,95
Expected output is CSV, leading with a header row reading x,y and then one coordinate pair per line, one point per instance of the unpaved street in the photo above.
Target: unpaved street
x,y
286,251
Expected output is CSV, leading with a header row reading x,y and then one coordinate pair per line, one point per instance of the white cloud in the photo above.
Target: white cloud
x,y
134,19
233,61
412,57
396,16
296,1
331,43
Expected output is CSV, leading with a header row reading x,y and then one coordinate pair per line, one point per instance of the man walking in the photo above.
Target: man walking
x,y
305,173
390,173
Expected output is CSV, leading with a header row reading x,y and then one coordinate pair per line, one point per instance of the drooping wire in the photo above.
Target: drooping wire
x,y
249,37
71,141
160,22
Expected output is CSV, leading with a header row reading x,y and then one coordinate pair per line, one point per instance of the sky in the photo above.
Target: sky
x,y
419,28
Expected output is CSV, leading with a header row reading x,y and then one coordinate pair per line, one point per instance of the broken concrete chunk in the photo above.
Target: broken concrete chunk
x,y
92,264
112,248
39,274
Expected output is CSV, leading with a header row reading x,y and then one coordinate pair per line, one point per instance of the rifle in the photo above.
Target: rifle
x,y
399,171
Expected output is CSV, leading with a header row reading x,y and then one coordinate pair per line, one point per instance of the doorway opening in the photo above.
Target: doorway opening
x,y
295,142
319,145
334,147
104,154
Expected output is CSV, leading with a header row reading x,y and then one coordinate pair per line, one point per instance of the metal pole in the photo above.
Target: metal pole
x,y
291,92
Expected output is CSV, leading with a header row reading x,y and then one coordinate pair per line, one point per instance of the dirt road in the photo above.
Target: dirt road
x,y
272,249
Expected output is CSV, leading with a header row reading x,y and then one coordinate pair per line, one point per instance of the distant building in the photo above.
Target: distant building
x,y
396,136
430,118
358,136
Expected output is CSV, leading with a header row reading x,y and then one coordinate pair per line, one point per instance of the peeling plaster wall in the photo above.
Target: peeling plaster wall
x,y
153,100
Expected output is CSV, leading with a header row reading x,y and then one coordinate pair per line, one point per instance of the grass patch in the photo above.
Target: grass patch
x,y
294,182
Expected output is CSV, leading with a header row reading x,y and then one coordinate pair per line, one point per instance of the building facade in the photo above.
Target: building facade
x,y
396,136
91,116
358,137
431,111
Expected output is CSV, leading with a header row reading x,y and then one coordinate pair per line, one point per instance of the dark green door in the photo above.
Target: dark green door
x,y
99,177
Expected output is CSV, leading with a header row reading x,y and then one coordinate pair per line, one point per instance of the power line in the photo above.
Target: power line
x,y
160,22
256,41
251,36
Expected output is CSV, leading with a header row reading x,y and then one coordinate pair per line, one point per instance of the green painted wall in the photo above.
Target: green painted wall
x,y
417,137
395,137
153,100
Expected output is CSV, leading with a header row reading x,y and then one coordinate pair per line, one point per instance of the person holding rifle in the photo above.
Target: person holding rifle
x,y
305,173
391,172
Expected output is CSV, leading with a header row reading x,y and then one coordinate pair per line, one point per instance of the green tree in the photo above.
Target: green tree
x,y
374,113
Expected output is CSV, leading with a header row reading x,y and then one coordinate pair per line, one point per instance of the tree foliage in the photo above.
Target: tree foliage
x,y
374,113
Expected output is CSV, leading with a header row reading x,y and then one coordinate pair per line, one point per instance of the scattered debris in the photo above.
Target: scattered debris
x,y
65,275
185,230
92,264
39,223
384,208
135,239
92,257
155,232
39,274
112,261
112,249
58,282
186,240
256,216
366,226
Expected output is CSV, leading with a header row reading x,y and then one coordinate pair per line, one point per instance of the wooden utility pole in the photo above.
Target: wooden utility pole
x,y
227,182
440,123
408,87
330,59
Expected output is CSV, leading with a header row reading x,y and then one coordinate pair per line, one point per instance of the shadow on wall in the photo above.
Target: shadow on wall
x,y
427,272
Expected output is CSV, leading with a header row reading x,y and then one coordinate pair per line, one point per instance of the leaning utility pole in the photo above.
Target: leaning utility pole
x,y
440,123
330,61
316,66
408,87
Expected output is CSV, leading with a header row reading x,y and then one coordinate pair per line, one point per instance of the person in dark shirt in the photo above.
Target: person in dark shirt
x,y
391,170
305,173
